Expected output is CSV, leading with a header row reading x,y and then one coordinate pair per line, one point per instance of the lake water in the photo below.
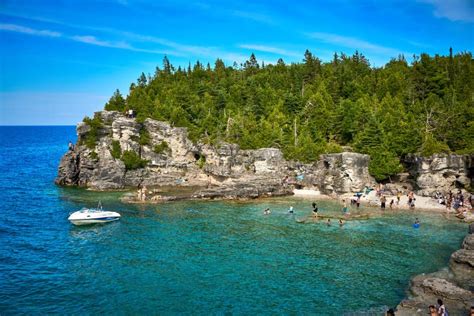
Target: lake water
x,y
195,257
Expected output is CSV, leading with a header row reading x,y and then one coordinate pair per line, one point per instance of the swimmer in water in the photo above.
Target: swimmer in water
x,y
417,221
315,209
328,222
266,211
341,223
345,210
290,210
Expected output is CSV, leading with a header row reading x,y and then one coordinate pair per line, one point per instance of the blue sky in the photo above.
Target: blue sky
x,y
62,60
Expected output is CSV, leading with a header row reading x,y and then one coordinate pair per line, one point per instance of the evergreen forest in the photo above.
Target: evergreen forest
x,y
422,106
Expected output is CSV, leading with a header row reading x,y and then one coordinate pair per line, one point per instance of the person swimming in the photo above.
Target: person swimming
x,y
341,223
290,210
315,209
328,222
266,211
416,224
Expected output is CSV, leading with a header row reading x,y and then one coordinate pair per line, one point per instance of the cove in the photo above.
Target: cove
x,y
196,257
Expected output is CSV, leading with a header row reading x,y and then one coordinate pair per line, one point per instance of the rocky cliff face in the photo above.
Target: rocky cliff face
x,y
183,162
441,172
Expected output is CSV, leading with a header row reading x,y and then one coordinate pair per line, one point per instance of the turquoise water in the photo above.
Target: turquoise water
x,y
194,257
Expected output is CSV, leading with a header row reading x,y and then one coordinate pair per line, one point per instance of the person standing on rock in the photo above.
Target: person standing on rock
x,y
70,146
432,311
399,195
441,308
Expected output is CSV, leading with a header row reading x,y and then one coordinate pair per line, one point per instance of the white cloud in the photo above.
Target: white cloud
x,y
27,30
355,43
88,39
271,49
174,48
254,16
454,10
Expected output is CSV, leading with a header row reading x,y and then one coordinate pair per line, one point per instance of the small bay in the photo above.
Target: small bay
x,y
195,257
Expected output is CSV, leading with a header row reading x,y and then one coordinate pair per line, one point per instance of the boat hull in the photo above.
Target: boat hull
x,y
80,222
89,217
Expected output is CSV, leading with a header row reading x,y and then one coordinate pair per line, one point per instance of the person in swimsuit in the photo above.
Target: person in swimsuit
x,y
441,308
341,223
290,210
344,208
328,222
315,209
432,311
383,199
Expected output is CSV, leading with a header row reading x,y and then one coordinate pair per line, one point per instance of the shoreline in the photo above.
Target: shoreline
x,y
452,284
157,195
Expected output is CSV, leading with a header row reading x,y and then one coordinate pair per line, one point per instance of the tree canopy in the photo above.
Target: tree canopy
x,y
309,108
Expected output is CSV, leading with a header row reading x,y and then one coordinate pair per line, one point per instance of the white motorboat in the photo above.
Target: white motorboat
x,y
87,216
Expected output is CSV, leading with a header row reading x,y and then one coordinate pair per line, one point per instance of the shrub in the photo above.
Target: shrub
x,y
116,150
132,160
92,136
144,136
162,148
201,162
432,146
94,155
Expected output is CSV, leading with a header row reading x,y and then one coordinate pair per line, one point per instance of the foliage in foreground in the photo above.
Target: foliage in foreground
x,y
305,109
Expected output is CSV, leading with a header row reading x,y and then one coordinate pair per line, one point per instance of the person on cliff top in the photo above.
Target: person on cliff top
x,y
315,209
70,145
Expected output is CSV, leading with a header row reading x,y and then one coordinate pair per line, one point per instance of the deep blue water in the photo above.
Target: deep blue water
x,y
194,257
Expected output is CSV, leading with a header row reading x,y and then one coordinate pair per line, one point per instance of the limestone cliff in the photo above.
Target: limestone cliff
x,y
184,163
441,172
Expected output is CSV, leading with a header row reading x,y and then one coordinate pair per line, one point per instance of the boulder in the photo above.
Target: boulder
x,y
468,242
462,266
440,172
428,288
343,173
